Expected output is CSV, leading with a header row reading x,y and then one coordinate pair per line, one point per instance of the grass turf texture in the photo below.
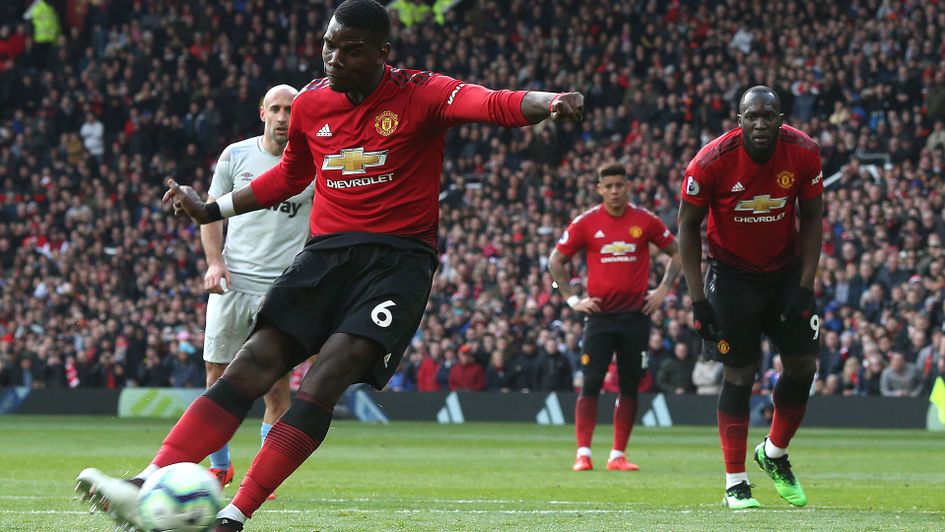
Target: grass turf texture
x,y
424,476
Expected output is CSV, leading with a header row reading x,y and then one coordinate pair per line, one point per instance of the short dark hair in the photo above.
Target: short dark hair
x,y
611,169
759,89
365,15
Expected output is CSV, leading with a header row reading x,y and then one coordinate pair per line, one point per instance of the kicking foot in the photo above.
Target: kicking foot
x,y
114,496
779,469
739,497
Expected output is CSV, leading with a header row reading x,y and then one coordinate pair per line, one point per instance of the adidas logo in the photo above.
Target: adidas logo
x,y
599,234
324,131
737,188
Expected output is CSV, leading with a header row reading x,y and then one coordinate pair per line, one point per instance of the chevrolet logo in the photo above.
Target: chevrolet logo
x,y
761,204
619,248
354,160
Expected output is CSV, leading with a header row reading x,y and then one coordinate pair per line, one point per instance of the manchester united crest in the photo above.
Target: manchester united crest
x,y
636,231
724,347
786,179
386,123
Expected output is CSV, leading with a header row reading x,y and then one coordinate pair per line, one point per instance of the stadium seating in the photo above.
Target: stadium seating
x,y
101,287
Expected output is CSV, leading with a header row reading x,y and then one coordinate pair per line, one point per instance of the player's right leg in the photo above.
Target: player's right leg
x,y
733,417
599,346
208,422
737,305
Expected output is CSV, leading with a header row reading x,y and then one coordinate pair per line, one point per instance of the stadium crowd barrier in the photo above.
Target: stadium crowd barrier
x,y
546,408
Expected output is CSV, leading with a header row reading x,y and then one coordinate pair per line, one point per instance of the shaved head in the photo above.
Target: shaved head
x,y
274,113
278,89
762,92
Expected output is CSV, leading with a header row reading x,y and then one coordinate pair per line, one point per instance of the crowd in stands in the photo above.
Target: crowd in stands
x,y
101,286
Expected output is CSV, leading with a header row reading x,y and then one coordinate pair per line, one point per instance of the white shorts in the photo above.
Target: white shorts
x,y
230,319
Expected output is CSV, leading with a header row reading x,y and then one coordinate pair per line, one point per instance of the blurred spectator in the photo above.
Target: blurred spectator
x,y
498,377
901,378
554,371
850,376
675,375
428,370
870,382
707,375
400,380
184,370
467,374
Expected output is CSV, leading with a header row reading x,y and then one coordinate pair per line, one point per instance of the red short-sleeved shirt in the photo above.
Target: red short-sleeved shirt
x,y
752,206
618,253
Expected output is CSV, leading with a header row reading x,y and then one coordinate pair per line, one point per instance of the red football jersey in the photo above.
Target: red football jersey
x,y
377,163
752,206
617,252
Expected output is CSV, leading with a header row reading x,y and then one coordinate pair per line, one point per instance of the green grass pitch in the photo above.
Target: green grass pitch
x,y
496,476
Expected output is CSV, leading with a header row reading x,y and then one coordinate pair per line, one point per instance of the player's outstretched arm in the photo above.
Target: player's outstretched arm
x,y
537,106
184,199
459,103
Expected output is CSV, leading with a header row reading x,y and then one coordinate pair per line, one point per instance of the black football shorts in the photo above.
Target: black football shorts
x,y
747,306
375,286
625,335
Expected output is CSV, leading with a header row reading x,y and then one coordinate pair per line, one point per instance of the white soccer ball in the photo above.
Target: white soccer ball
x,y
181,497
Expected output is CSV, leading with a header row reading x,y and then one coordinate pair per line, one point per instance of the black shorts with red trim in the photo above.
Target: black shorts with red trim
x,y
748,305
369,285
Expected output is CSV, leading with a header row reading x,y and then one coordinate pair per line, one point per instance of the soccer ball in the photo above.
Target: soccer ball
x,y
181,497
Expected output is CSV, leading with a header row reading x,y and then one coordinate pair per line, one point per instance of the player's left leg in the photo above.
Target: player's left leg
x,y
790,404
344,359
633,334
277,403
799,343
206,425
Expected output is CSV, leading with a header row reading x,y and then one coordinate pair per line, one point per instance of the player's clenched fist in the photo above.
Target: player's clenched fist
x,y
185,199
568,106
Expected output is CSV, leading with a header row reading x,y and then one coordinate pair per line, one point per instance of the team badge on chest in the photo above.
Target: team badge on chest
x,y
386,123
786,180
636,231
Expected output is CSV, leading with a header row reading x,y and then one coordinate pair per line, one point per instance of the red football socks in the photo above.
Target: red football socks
x,y
733,431
284,450
585,419
625,412
204,428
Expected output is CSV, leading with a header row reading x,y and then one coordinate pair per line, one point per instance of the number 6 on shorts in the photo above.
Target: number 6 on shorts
x,y
381,316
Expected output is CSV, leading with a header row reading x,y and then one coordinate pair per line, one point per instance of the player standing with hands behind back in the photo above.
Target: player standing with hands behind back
x,y
259,246
616,236
760,279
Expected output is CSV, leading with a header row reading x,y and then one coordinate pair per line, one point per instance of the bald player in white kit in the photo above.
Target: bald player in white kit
x,y
257,248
